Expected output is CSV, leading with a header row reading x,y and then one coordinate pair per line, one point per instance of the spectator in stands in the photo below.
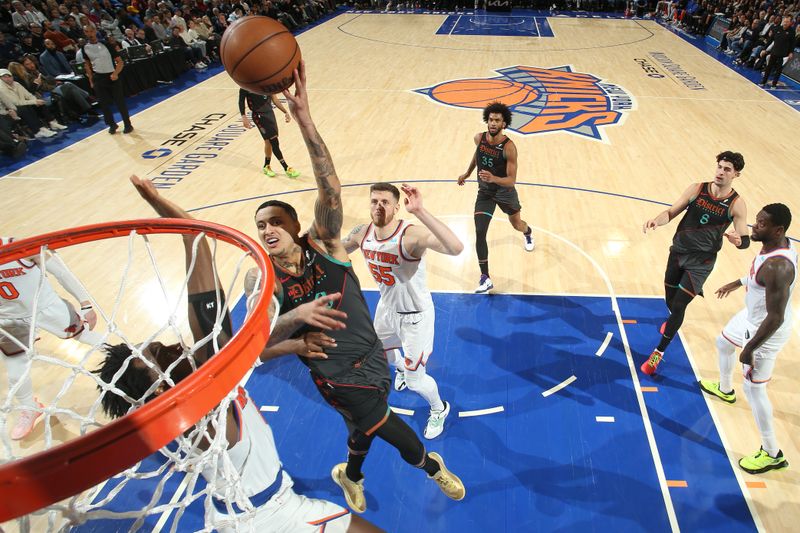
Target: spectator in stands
x,y
206,35
72,101
178,20
72,29
27,108
779,51
193,55
19,17
110,26
130,39
9,50
60,39
52,62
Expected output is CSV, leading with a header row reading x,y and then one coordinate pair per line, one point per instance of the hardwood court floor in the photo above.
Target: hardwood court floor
x,y
586,198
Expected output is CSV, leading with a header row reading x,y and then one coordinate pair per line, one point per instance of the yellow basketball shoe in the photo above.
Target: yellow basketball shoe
x,y
292,173
269,172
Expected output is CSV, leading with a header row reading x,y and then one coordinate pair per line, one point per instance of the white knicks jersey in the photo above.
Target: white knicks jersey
x,y
402,280
756,298
19,281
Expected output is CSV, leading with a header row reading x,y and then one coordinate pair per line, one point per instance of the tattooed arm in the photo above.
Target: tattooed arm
x,y
353,240
328,214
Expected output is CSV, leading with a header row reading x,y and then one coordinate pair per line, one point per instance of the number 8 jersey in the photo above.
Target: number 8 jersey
x,y
401,278
706,219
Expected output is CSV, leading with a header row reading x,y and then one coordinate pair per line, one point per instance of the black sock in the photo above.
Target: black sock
x,y
283,164
430,466
662,345
528,232
354,463
267,160
484,265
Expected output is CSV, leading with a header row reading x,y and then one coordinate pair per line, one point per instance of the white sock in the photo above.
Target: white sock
x,y
16,366
420,382
762,411
727,358
395,358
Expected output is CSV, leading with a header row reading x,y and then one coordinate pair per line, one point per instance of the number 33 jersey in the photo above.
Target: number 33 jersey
x,y
402,279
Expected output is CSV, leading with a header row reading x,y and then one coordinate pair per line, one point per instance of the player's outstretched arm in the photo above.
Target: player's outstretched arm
x,y
67,279
328,213
435,235
674,210
202,277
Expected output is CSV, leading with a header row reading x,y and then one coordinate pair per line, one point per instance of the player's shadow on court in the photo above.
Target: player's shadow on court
x,y
289,370
546,360
559,487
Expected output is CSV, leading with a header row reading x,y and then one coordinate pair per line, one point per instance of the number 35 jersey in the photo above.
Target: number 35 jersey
x,y
402,279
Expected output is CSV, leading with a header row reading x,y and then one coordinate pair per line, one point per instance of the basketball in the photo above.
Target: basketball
x,y
260,54
478,93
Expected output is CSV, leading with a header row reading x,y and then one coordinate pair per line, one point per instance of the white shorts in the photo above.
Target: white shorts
x,y
59,318
738,331
413,332
289,512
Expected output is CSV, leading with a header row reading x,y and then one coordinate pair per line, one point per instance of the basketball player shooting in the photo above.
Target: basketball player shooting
x,y
354,378
251,447
394,250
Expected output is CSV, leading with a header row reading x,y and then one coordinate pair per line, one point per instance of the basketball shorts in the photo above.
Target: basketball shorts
x,y
689,271
59,318
505,198
738,331
266,124
289,512
360,395
413,332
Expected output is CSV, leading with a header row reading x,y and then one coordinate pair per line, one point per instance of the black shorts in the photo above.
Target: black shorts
x,y
265,122
362,395
506,199
689,271
205,309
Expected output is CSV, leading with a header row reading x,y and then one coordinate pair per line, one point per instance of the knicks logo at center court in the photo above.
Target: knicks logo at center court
x,y
542,100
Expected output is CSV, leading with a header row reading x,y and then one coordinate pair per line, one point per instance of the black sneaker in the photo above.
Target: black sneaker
x,y
128,129
113,129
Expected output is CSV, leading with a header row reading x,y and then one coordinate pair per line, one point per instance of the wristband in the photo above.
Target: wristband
x,y
743,281
745,242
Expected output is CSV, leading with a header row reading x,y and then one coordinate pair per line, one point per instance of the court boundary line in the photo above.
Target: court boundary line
x,y
724,439
648,428
439,181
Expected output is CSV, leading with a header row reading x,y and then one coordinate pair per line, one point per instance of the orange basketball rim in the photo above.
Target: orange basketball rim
x,y
39,480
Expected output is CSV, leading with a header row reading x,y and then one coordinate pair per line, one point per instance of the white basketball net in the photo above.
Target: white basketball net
x,y
178,481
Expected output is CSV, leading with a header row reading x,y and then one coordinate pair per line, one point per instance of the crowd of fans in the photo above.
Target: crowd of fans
x,y
41,49
762,34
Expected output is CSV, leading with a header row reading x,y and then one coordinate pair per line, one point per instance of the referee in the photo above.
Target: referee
x,y
102,67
